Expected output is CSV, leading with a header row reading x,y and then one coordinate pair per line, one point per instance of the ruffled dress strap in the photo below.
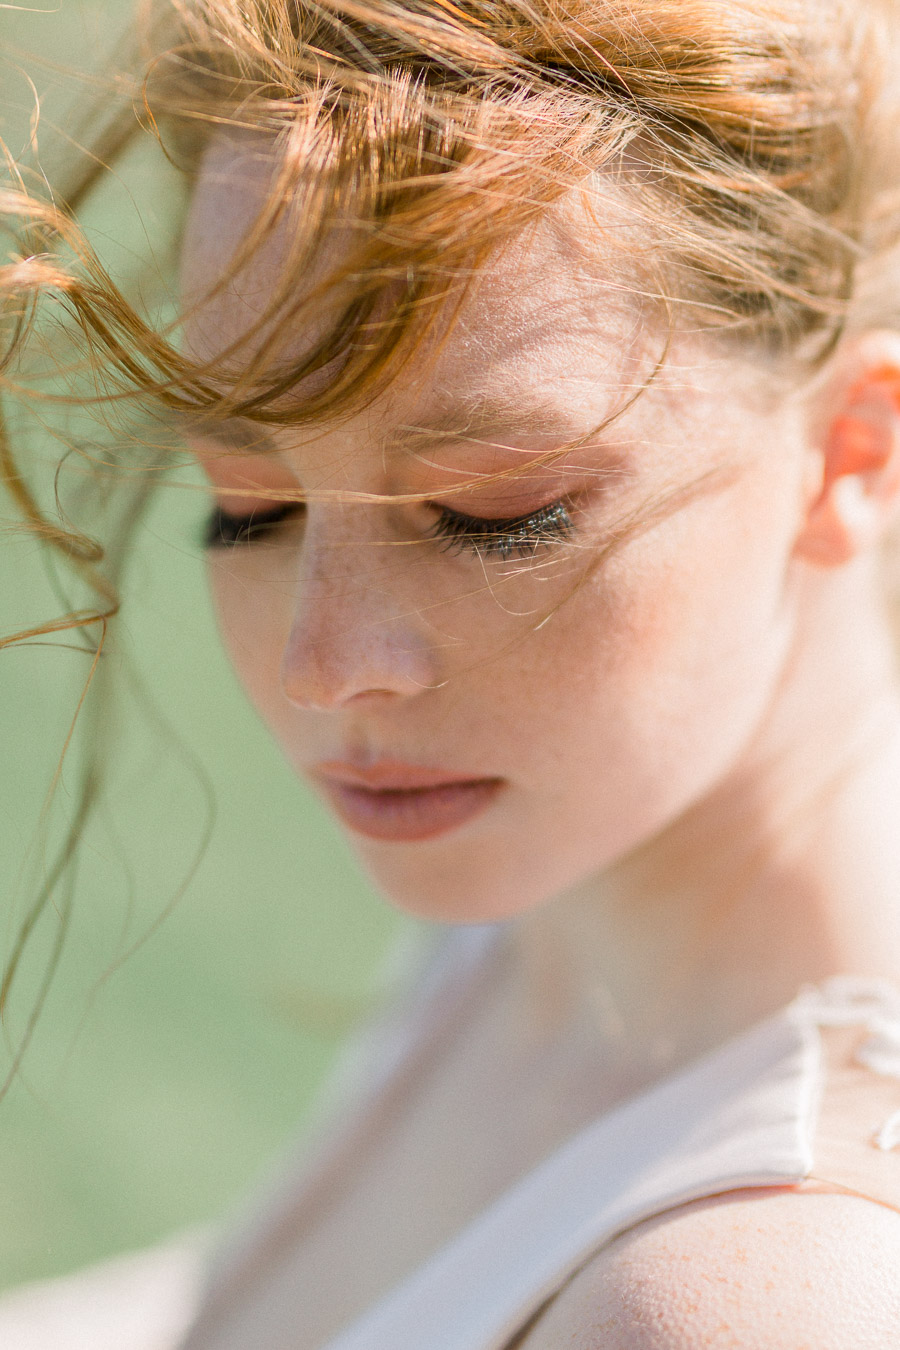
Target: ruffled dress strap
x,y
856,1132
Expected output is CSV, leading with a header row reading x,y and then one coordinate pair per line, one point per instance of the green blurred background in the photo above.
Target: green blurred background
x,y
157,1088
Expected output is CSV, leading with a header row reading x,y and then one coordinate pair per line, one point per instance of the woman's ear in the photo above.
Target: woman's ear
x,y
857,446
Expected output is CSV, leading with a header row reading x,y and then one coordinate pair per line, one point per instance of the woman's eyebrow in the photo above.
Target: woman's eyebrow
x,y
232,433
491,421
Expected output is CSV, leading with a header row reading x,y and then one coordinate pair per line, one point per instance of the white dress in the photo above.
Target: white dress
x,y
810,1094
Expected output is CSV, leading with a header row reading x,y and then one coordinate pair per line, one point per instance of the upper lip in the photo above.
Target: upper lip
x,y
388,775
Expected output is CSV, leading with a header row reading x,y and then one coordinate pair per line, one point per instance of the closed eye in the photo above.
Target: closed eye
x,y
512,537
222,529
505,538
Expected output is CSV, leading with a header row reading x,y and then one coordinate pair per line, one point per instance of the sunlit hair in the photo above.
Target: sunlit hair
x,y
754,148
755,143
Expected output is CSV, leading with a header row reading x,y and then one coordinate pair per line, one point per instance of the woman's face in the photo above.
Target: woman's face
x,y
494,719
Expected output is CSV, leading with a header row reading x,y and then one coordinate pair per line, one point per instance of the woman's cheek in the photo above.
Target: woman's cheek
x,y
678,634
253,613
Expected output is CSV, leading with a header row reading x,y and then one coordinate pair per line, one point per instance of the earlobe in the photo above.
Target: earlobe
x,y
859,491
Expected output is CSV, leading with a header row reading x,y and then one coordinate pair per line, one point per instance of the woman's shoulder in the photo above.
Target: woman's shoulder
x,y
815,1262
774,1269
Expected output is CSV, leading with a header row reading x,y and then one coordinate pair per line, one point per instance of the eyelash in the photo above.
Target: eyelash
x,y
514,537
224,531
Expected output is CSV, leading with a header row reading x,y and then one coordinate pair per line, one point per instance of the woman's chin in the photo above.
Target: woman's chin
x,y
464,885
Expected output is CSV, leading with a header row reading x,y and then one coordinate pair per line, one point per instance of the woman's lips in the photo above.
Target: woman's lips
x,y
403,803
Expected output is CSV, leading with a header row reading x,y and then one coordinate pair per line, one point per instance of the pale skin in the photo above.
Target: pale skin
x,y
699,749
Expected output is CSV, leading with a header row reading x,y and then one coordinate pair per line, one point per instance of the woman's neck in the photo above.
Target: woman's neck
x,y
787,873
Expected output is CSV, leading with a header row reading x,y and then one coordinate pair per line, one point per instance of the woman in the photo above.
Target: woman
x,y
545,367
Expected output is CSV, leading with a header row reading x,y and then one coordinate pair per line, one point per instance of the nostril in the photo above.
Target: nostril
x,y
333,698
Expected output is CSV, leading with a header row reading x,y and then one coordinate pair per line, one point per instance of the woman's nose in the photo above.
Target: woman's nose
x,y
355,634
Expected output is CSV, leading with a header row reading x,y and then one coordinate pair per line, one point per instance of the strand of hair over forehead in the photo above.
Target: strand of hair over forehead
x,y
442,129
448,129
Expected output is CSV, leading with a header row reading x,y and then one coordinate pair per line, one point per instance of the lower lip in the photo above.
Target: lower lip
x,y
411,814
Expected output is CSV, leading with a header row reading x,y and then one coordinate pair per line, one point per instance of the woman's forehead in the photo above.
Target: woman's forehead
x,y
553,339
544,300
